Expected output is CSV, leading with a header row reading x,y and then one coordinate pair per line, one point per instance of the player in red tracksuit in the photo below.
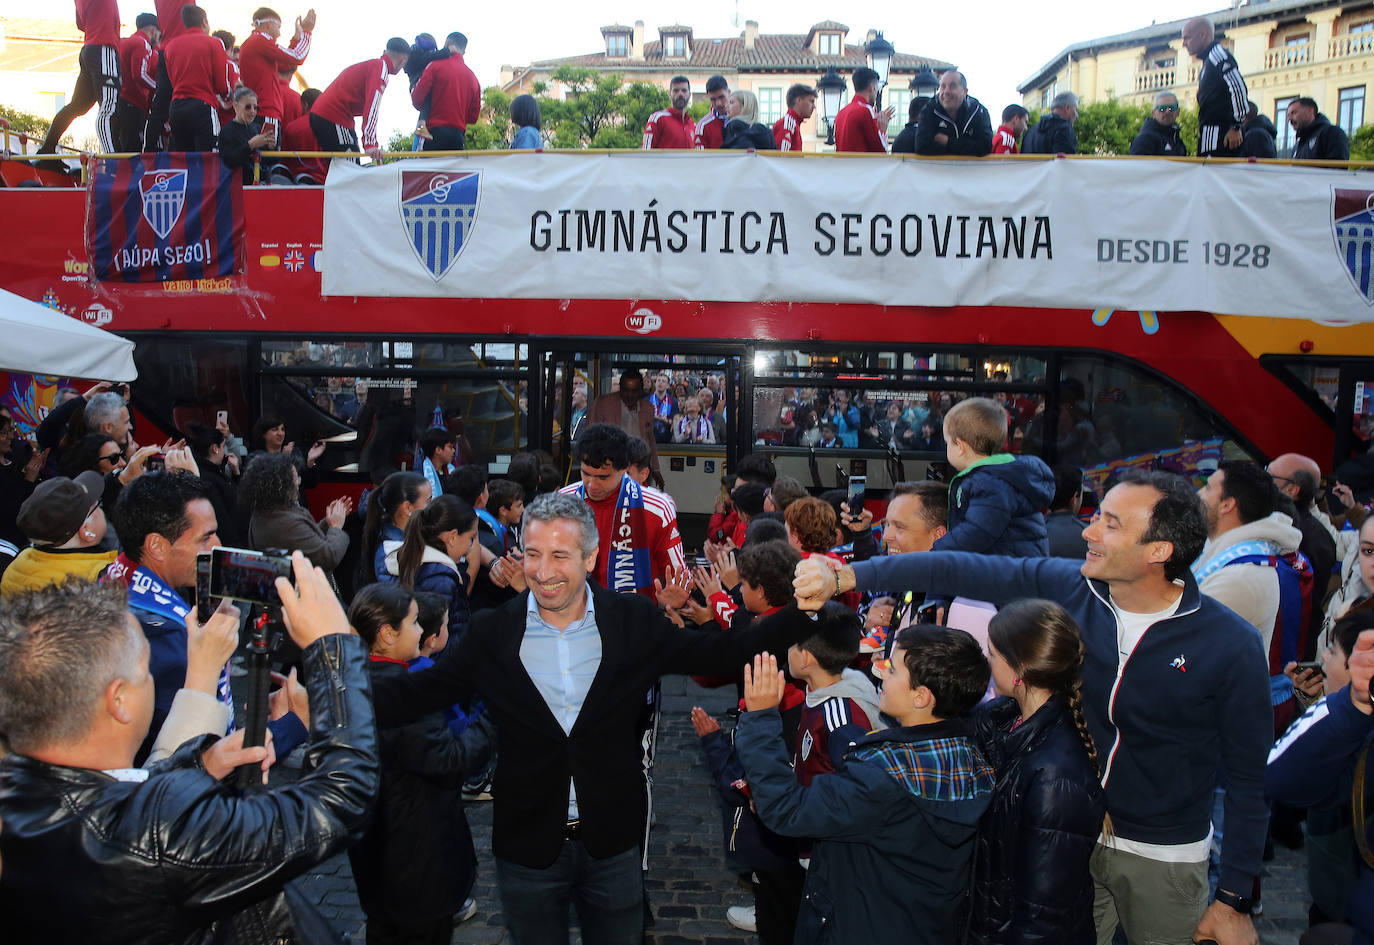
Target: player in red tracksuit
x,y
138,80
261,59
291,108
1015,120
710,133
299,136
170,26
98,80
199,70
858,127
801,104
453,94
672,127
357,93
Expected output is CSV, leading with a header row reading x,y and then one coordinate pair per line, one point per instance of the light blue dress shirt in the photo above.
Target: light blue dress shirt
x,y
562,665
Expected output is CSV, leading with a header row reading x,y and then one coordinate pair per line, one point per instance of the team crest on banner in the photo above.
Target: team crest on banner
x,y
438,211
1352,223
164,194
163,217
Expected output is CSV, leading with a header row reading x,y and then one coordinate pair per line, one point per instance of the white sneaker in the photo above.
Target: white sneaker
x,y
742,917
466,911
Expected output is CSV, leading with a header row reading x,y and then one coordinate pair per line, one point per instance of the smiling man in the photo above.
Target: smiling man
x,y
1173,682
563,670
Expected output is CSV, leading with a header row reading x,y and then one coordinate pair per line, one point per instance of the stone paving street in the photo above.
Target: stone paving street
x,y
689,886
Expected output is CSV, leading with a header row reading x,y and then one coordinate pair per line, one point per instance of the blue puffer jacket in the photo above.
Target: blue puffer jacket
x,y
1031,884
1191,697
994,507
1313,765
894,829
438,574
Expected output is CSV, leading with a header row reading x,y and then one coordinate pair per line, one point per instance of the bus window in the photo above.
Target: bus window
x,y
190,379
370,400
1113,414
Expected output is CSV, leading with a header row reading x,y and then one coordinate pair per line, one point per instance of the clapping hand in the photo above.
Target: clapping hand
x,y
702,722
1361,668
674,589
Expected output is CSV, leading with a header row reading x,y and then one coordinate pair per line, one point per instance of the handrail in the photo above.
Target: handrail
x,y
717,154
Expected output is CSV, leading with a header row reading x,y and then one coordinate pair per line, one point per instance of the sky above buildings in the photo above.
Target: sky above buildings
x,y
997,43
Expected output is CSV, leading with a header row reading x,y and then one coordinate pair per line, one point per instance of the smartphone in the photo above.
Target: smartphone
x,y
855,502
156,463
205,603
928,613
221,418
1315,665
240,574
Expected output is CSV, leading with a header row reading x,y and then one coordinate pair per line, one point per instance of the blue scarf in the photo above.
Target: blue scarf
x,y
629,568
1258,547
497,528
147,592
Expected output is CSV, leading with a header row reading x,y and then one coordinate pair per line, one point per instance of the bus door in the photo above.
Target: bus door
x,y
694,392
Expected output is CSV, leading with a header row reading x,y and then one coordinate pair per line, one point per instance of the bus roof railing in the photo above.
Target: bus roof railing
x,y
86,158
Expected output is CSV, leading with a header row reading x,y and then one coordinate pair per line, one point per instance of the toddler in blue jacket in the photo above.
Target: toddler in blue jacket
x,y
995,500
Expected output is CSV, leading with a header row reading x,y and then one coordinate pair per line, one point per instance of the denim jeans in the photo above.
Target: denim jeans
x,y
608,895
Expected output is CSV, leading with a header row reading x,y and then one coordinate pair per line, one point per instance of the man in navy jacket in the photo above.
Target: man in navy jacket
x,y
1174,686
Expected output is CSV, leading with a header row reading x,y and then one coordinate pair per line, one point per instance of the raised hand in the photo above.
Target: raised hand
x,y
702,722
763,683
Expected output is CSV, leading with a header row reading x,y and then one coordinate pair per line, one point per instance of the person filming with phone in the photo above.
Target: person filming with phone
x,y
96,850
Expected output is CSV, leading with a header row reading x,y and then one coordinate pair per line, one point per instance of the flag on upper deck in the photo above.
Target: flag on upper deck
x,y
164,216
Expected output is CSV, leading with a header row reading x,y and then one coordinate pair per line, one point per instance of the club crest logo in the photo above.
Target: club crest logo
x,y
164,196
1352,224
438,211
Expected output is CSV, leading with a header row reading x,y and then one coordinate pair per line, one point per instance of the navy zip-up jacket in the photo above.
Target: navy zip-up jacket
x,y
994,507
1193,693
1313,765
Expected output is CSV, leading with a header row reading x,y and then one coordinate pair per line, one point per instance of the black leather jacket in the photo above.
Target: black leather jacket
x,y
1031,884
181,857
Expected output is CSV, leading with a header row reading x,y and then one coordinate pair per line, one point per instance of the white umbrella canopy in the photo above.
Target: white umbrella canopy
x,y
39,340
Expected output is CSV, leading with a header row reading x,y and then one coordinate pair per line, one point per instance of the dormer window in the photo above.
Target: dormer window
x,y
617,46
828,44
675,46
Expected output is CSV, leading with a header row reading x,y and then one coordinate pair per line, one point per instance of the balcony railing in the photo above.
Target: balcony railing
x,y
1286,56
1351,44
1165,77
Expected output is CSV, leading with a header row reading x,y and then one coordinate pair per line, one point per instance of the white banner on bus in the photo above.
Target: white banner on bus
x,y
1241,239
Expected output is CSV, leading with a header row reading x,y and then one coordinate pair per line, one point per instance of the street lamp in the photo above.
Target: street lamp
x,y
923,83
831,86
879,53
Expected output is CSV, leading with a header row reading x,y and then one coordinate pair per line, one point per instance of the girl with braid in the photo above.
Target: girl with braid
x,y
1031,882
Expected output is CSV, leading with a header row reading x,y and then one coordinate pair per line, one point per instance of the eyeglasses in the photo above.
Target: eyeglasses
x,y
114,458
249,108
1166,108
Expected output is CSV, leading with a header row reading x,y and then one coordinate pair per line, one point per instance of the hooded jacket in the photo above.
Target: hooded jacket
x,y
437,574
1160,728
1052,135
1251,590
894,829
969,129
833,719
1322,141
1157,139
994,507
1031,884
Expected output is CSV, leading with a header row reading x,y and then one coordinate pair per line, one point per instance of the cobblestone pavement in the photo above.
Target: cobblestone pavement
x,y
688,884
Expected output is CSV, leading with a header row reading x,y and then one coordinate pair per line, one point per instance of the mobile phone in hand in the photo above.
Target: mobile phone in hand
x,y
1313,666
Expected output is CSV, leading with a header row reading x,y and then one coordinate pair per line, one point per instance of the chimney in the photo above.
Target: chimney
x,y
870,36
751,33
507,74
637,41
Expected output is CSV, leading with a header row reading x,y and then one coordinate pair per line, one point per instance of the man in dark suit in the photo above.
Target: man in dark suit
x,y
563,669
628,409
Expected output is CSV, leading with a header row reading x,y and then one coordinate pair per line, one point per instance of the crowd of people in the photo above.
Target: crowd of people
x,y
982,720
172,84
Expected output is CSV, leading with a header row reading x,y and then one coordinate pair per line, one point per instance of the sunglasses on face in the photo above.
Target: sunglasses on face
x,y
1166,108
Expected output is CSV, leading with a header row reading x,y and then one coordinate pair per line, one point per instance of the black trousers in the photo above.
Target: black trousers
x,y
195,125
433,932
159,110
446,138
129,124
97,82
777,900
332,137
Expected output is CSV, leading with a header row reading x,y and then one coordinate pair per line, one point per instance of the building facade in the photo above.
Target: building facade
x,y
1285,48
763,63
38,68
